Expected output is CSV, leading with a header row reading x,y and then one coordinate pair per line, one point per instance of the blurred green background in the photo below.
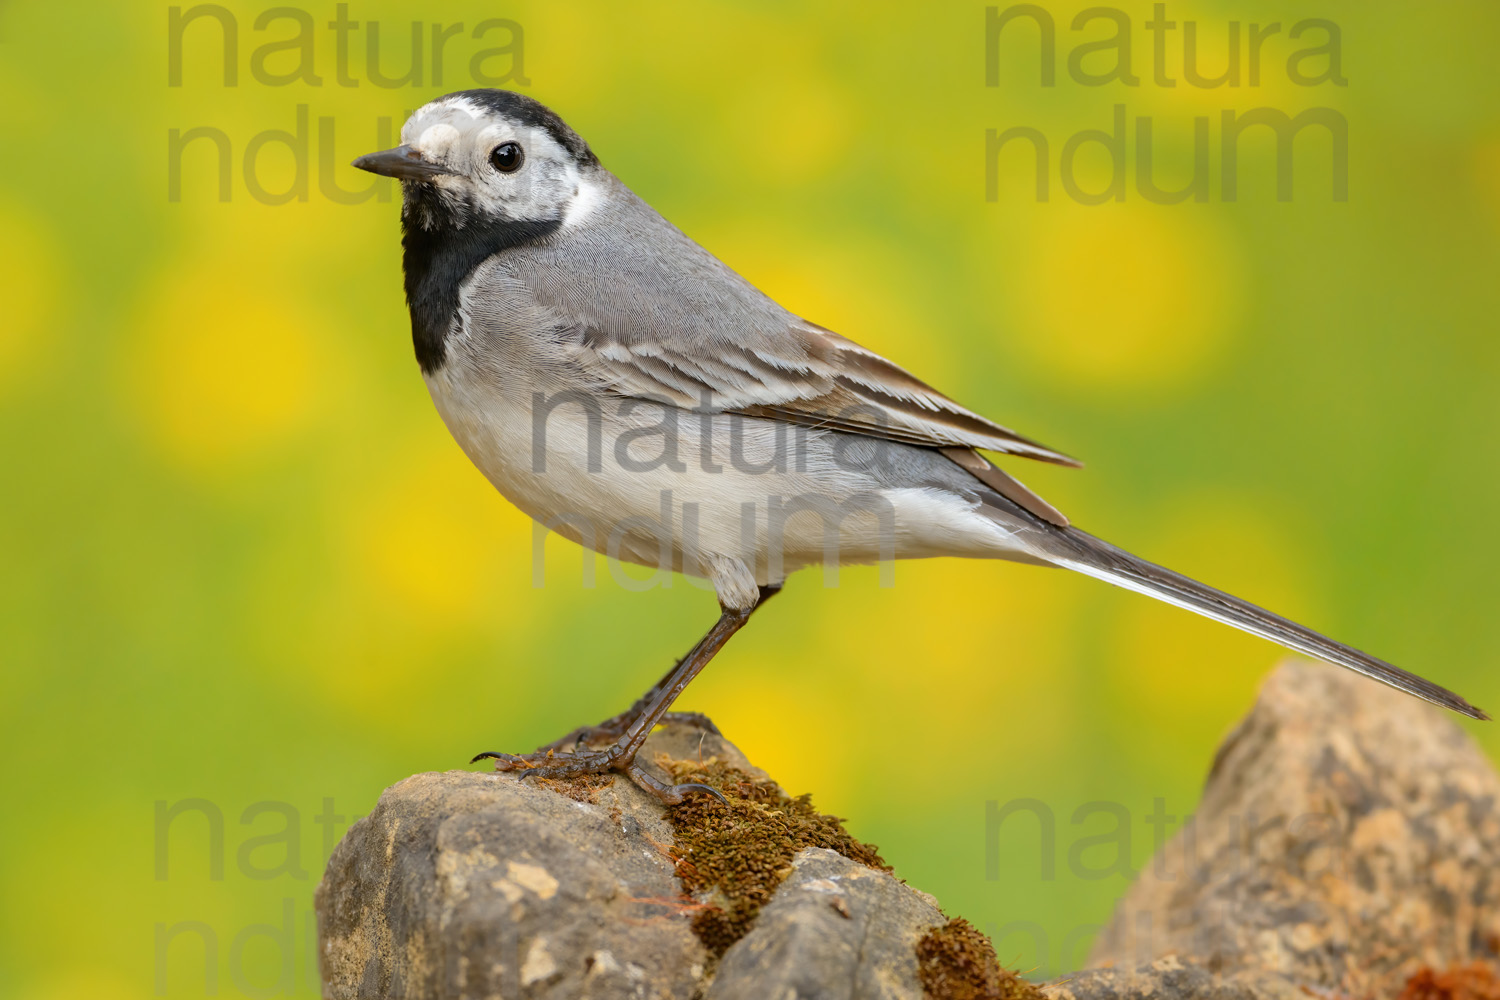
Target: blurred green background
x,y
244,562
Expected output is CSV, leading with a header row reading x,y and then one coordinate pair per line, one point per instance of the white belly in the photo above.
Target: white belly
x,y
670,497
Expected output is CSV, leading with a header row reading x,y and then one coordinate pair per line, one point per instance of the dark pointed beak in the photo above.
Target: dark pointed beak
x,y
403,163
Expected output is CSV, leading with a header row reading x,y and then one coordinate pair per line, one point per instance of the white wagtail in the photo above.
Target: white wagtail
x,y
628,390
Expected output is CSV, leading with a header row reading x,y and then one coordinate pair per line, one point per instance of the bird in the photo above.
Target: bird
x,y
631,392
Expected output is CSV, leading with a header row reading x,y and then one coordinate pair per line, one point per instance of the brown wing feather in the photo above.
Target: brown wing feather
x,y
816,378
867,394
1005,484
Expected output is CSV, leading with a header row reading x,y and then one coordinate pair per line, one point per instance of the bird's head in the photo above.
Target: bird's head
x,y
487,156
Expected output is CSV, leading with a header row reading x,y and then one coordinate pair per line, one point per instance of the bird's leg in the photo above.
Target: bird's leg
x,y
620,755
612,729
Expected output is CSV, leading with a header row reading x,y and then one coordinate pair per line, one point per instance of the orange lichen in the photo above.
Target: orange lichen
x,y
1475,981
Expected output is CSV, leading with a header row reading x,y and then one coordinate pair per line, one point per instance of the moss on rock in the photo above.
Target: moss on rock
x,y
731,858
957,962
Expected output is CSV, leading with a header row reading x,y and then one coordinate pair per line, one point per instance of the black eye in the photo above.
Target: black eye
x,y
506,157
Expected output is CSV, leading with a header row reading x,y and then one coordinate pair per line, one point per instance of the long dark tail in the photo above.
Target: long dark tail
x,y
1078,550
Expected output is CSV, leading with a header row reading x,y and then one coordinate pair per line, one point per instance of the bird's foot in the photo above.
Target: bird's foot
x,y
612,730
552,764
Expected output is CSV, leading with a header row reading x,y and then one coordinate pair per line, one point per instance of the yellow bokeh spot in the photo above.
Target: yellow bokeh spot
x,y
967,650
776,722
963,643
793,126
431,539
1124,295
224,365
425,558
29,261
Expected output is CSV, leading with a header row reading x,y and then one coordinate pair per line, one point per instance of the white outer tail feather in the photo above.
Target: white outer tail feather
x,y
1116,566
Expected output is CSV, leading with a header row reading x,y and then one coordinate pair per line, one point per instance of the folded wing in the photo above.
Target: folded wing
x,y
817,378
811,376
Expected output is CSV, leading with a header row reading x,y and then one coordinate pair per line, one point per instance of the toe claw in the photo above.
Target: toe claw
x,y
504,761
693,786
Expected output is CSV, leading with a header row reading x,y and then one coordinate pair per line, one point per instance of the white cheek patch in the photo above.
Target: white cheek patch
x,y
590,195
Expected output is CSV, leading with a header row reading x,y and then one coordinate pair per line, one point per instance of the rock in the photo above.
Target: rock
x,y
1348,837
480,885
1169,979
1348,842
467,884
832,923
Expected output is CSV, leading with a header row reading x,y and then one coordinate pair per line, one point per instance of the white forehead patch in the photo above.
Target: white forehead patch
x,y
437,139
456,115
